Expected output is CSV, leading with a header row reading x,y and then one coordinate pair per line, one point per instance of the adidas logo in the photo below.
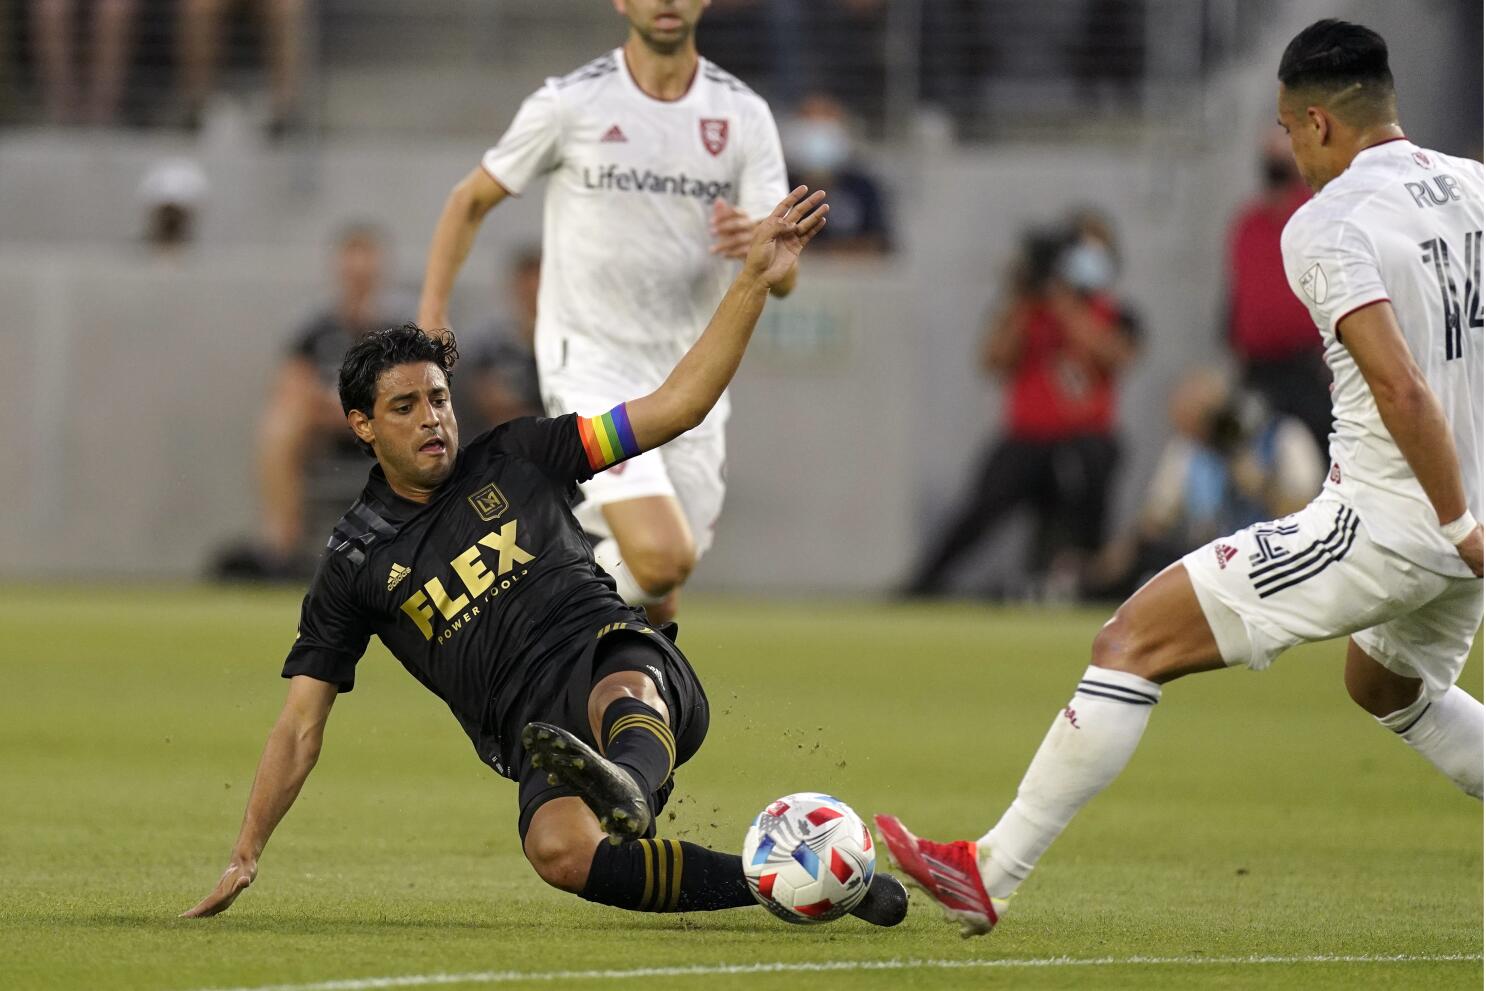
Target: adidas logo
x,y
1225,554
613,134
396,575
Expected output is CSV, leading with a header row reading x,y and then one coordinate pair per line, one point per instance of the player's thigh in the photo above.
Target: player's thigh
x,y
1432,642
696,463
1160,633
653,533
1310,576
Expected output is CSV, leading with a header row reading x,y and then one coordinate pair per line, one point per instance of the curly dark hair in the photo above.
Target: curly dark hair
x,y
1333,55
368,358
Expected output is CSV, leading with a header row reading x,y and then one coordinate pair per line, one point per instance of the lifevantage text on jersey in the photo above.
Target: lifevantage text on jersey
x,y
611,177
478,580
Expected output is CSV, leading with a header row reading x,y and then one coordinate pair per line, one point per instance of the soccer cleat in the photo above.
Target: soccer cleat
x,y
949,873
886,901
605,787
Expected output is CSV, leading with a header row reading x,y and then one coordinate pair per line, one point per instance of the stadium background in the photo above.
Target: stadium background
x,y
137,381
1268,834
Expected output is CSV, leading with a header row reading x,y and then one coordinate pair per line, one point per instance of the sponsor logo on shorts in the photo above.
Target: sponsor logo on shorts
x,y
1225,554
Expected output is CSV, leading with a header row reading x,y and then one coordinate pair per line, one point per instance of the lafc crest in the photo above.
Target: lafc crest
x,y
489,503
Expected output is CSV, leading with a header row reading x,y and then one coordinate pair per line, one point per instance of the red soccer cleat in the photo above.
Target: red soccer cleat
x,y
949,873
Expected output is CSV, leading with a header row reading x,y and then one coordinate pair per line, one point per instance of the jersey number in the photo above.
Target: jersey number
x,y
1458,313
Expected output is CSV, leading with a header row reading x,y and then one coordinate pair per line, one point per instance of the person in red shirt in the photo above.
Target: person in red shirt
x,y
1271,334
1061,343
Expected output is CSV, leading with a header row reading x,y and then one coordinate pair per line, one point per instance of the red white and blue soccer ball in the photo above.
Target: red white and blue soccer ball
x,y
809,858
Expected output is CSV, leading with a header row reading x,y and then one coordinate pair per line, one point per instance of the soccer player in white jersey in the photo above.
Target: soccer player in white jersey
x,y
1387,257
657,160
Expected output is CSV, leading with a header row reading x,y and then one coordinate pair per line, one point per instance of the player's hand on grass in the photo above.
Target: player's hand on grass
x,y
783,234
234,881
1469,550
732,230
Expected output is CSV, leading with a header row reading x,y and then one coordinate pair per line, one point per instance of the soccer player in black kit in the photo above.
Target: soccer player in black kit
x,y
470,567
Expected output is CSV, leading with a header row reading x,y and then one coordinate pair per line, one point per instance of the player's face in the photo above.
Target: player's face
x,y
1307,132
412,427
664,25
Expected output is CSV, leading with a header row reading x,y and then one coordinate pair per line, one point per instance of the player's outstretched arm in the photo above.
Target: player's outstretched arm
x,y
699,378
290,753
1413,415
732,232
455,232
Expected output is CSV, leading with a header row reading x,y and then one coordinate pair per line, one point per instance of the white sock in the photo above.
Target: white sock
x,y
1089,744
606,553
1447,732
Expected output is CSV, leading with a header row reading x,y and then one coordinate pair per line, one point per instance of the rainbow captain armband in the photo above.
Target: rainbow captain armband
x,y
607,439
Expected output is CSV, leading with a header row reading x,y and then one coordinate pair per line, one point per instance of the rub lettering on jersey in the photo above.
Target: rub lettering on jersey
x,y
473,573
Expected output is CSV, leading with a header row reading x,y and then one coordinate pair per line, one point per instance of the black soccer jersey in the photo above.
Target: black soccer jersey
x,y
487,594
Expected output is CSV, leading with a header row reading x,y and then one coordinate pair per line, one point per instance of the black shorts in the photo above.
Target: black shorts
x,y
623,647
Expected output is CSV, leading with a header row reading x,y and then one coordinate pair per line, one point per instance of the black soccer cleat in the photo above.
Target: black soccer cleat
x,y
605,787
886,901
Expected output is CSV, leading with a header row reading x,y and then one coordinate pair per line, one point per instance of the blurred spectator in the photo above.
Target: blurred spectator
x,y
764,41
306,454
500,360
172,194
818,150
200,41
1270,332
1062,341
110,31
1232,461
786,49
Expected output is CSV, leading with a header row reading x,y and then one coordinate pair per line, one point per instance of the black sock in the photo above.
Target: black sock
x,y
665,876
636,738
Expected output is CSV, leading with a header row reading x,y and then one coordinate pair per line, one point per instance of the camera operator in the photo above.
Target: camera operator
x,y
1232,461
1060,342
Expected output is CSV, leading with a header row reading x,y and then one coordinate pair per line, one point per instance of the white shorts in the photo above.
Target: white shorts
x,y
579,376
1317,575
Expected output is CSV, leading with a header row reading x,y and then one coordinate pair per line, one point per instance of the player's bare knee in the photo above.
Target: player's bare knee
x,y
661,570
1122,645
662,612
1377,690
560,859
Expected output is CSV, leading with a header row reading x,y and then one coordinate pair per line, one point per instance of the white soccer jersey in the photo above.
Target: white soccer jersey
x,y
1401,224
625,256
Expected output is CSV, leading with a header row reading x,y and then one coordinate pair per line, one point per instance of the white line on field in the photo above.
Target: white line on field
x,y
819,966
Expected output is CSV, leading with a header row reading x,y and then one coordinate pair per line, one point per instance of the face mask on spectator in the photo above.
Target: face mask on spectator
x,y
819,145
1087,267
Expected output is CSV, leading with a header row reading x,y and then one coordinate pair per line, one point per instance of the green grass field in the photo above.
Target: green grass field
x,y
1267,834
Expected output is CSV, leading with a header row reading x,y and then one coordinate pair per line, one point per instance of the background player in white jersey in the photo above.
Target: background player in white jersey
x,y
1387,257
658,160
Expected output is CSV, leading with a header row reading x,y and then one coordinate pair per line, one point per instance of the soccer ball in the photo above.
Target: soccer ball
x,y
808,858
